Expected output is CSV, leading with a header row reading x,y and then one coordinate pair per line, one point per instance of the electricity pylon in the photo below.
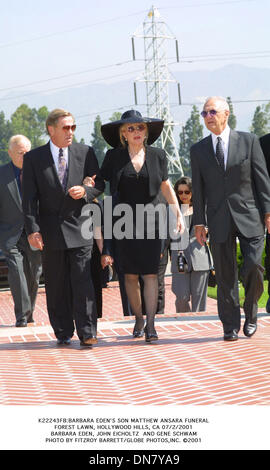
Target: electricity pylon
x,y
157,78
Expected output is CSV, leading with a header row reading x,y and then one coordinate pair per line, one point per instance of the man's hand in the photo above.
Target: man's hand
x,y
200,233
35,240
76,192
267,222
106,260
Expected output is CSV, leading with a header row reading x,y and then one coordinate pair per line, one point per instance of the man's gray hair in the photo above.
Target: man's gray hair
x,y
17,139
222,102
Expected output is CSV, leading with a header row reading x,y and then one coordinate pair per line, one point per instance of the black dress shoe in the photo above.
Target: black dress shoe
x,y
21,323
249,328
267,307
231,336
63,341
149,337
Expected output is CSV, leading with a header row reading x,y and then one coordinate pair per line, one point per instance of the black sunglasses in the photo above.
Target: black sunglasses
x,y
139,128
184,192
212,112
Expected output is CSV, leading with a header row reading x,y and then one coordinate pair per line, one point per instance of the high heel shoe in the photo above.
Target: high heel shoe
x,y
138,332
149,337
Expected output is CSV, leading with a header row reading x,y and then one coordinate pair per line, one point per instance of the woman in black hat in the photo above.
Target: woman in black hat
x,y
137,172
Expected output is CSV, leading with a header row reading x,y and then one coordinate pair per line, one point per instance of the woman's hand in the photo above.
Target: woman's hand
x,y
89,181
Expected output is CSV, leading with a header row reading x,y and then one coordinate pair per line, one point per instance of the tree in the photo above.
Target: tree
x,y
5,134
232,118
261,119
116,116
98,143
191,133
31,123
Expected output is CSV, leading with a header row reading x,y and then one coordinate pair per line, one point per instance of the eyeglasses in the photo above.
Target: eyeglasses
x,y
140,128
183,192
68,128
212,112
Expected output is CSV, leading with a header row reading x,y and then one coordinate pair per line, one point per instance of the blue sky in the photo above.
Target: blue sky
x,y
48,45
41,40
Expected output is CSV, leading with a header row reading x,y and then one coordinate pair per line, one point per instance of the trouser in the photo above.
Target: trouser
x,y
191,286
70,294
24,271
225,263
267,260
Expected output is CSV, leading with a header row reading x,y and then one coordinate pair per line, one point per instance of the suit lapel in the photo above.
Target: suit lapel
x,y
121,162
13,187
232,150
74,167
150,160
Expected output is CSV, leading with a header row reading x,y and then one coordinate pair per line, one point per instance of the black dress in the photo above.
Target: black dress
x,y
139,255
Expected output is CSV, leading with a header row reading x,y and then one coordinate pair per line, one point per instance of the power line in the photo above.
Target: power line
x,y
191,5
129,106
186,59
65,76
66,86
72,30
117,18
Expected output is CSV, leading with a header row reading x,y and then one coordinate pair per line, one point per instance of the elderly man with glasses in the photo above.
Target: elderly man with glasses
x,y
231,195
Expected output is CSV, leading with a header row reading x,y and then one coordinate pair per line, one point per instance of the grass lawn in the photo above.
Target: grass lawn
x,y
212,292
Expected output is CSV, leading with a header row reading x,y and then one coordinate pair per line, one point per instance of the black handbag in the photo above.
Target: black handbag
x,y
212,282
181,262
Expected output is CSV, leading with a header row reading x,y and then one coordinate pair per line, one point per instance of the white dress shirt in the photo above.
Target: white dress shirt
x,y
225,135
55,154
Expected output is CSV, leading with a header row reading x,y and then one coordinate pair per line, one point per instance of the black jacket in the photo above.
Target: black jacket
x,y
116,159
241,192
47,207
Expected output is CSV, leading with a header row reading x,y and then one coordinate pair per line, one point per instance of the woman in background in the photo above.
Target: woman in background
x,y
190,284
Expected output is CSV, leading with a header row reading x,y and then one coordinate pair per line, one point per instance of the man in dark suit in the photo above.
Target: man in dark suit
x,y
232,197
24,263
265,144
54,200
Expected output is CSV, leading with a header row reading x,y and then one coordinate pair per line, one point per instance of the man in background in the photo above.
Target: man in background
x,y
24,263
265,144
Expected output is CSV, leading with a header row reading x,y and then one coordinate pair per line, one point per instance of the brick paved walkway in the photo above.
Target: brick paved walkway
x,y
189,365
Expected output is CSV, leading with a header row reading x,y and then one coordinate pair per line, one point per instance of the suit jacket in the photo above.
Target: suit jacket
x,y
116,159
47,207
11,214
242,191
265,144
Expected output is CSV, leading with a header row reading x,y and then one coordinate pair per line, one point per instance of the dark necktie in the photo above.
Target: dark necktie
x,y
220,153
62,166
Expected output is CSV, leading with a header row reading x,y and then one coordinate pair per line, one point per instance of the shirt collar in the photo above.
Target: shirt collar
x,y
225,134
55,149
16,169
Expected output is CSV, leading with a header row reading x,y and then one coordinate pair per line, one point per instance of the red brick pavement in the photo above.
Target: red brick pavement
x,y
189,365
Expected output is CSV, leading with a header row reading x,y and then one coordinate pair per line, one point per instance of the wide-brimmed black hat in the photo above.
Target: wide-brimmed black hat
x,y
110,131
